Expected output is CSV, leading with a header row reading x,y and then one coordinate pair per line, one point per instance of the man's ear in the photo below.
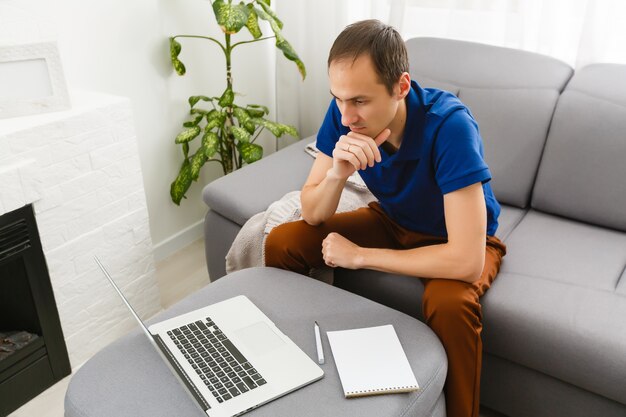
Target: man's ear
x,y
404,85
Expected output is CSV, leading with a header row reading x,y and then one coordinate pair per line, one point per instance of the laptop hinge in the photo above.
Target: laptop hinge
x,y
183,376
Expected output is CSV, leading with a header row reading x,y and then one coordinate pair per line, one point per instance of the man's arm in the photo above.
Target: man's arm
x,y
322,189
461,258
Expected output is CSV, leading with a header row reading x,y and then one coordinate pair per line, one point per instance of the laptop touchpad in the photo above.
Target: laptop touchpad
x,y
259,338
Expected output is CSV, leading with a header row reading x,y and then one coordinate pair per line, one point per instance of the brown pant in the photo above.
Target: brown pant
x,y
451,307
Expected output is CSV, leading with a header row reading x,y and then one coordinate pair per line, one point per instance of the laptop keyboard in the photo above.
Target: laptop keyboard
x,y
220,365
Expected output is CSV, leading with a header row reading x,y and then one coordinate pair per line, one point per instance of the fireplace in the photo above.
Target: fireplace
x,y
33,355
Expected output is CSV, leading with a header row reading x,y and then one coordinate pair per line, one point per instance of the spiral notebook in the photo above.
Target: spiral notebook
x,y
371,361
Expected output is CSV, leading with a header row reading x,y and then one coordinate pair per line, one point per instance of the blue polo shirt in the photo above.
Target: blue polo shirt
x,y
441,152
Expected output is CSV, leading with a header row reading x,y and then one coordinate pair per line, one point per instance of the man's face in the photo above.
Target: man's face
x,y
365,104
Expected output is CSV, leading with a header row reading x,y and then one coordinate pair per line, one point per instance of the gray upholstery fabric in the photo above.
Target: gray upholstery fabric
x,y
509,218
248,191
514,125
470,64
511,94
621,284
517,391
425,81
128,379
555,301
550,247
604,81
583,171
219,234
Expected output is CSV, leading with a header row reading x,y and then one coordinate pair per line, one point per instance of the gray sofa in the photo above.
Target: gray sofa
x,y
555,140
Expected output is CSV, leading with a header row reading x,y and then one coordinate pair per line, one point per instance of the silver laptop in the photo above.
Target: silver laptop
x,y
229,356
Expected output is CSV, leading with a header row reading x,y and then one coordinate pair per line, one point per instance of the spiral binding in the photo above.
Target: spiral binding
x,y
390,390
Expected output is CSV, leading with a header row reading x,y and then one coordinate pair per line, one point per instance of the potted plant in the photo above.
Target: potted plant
x,y
227,130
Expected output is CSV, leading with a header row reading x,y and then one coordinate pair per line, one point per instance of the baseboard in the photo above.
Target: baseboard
x,y
178,241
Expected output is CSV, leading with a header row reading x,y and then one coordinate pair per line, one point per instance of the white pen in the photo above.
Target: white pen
x,y
318,343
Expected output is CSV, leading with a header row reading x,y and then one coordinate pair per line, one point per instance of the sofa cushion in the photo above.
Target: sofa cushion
x,y
512,95
582,174
513,124
251,189
558,304
508,219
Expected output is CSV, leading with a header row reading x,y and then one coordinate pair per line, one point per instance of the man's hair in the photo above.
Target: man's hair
x,y
381,42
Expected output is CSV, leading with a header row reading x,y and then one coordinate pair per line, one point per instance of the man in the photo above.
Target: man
x,y
420,153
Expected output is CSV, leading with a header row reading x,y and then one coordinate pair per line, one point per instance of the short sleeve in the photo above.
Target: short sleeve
x,y
458,153
330,131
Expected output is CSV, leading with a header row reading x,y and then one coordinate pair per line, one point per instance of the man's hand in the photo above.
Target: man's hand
x,y
355,151
339,251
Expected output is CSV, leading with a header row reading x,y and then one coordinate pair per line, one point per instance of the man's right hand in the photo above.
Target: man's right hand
x,y
356,151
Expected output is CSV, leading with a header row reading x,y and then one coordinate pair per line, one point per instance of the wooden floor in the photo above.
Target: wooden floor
x,y
178,275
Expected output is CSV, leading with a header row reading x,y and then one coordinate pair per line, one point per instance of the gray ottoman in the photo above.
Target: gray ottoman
x,y
127,378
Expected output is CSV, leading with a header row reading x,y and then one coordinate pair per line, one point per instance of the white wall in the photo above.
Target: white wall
x,y
121,47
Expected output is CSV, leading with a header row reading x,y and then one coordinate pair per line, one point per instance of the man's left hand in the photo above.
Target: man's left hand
x,y
339,251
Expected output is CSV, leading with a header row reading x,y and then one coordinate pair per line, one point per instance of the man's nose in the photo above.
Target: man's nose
x,y
348,116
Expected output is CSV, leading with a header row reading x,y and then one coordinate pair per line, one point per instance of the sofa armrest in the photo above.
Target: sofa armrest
x,y
251,189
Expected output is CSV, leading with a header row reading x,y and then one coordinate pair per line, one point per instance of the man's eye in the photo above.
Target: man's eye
x,y
359,102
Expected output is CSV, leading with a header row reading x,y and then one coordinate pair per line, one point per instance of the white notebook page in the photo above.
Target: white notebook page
x,y
371,361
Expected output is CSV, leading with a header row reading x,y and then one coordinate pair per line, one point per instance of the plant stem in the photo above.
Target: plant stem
x,y
227,51
254,40
257,135
231,149
202,37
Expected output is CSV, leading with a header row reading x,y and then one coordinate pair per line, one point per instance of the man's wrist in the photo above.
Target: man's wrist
x,y
331,175
360,259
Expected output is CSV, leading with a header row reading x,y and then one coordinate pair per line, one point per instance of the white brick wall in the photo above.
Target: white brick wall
x,y
80,170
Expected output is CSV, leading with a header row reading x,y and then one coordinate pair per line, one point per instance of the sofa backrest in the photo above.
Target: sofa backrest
x,y
512,95
582,174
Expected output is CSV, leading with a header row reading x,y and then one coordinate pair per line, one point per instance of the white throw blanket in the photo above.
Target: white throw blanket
x,y
248,248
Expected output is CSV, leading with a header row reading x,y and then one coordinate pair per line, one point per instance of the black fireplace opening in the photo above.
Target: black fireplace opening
x,y
33,355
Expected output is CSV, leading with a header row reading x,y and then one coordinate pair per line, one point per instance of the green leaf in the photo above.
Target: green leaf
x,y
227,98
194,122
195,99
186,150
241,114
275,128
256,110
188,135
250,127
212,124
290,130
230,17
253,23
250,152
291,55
182,183
267,9
175,49
210,144
199,111
240,134
265,1
281,42
215,114
197,161
214,119
245,118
